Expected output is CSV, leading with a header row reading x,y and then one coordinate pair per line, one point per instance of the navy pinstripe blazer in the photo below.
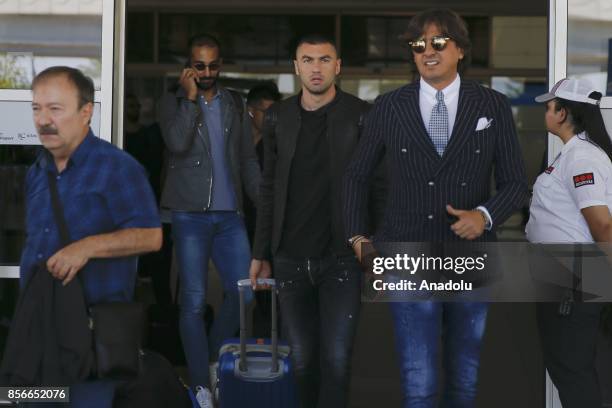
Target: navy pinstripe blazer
x,y
420,182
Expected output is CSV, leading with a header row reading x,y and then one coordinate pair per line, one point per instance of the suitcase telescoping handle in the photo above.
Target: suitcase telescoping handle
x,y
242,286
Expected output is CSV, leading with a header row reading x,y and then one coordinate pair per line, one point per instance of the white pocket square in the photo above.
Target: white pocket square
x,y
483,123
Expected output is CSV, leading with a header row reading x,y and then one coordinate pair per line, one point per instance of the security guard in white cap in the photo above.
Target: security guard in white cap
x,y
572,201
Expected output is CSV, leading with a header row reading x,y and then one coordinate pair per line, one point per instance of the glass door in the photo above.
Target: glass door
x,y
580,45
34,35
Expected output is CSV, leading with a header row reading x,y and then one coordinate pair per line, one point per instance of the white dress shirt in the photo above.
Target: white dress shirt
x,y
580,177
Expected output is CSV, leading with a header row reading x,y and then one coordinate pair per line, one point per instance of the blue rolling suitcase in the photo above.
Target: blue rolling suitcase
x,y
252,373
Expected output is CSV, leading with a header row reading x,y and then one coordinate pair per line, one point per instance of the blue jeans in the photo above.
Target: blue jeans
x,y
418,328
198,236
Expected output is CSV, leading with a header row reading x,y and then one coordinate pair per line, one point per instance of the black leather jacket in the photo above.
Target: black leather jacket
x,y
189,179
280,132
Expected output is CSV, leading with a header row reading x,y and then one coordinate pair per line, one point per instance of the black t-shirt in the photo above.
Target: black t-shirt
x,y
307,230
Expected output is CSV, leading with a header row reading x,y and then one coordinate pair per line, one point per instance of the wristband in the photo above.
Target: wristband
x,y
355,240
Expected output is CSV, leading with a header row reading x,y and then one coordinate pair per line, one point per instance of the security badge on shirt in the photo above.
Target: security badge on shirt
x,y
580,180
583,180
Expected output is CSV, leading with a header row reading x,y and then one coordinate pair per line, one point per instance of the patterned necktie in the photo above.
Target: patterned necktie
x,y
438,124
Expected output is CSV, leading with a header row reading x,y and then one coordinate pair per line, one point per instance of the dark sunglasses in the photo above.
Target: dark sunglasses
x,y
438,43
213,66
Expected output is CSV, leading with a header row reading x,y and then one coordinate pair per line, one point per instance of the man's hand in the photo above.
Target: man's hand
x,y
66,262
188,82
358,246
470,225
259,269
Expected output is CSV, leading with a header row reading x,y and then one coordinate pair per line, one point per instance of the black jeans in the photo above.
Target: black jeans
x,y
320,302
568,346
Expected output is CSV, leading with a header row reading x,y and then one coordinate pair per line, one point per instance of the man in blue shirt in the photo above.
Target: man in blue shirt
x,y
108,203
208,134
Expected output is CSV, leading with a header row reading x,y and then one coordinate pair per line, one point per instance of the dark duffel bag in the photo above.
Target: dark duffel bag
x,y
157,386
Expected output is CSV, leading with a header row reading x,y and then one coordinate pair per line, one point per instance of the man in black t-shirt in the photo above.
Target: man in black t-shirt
x,y
308,141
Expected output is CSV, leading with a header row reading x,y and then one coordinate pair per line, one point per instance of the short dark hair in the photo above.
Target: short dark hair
x,y
83,83
314,38
450,24
264,91
204,40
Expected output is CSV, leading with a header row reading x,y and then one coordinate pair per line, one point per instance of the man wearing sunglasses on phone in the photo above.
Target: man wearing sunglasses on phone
x,y
208,134
442,136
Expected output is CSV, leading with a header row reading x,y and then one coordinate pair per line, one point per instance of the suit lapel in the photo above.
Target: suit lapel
x,y
407,109
468,109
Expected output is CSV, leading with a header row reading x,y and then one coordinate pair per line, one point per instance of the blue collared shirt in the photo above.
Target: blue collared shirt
x,y
102,190
223,194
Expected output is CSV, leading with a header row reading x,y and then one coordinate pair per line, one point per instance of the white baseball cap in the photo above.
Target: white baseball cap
x,y
571,89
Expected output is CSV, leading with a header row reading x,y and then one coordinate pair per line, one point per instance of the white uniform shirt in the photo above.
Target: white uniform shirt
x,y
580,177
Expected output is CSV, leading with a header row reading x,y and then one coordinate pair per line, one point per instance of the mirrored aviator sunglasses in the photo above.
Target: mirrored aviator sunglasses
x,y
438,43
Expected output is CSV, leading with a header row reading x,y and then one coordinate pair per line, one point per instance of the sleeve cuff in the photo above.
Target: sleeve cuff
x,y
590,203
489,225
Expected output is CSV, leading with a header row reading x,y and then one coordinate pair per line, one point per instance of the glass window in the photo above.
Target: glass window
x,y
480,38
519,42
374,41
589,42
14,162
139,37
381,42
32,39
528,118
253,39
368,89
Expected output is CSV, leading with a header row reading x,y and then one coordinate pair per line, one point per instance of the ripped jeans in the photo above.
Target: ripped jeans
x,y
418,329
320,302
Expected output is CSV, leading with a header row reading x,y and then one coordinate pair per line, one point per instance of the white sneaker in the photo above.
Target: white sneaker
x,y
204,397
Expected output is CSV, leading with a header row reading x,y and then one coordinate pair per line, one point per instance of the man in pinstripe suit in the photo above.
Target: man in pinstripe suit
x,y
443,136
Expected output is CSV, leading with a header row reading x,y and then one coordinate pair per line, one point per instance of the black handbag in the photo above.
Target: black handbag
x,y
117,337
117,327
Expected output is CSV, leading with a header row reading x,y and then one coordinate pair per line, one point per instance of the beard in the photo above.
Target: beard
x,y
207,83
